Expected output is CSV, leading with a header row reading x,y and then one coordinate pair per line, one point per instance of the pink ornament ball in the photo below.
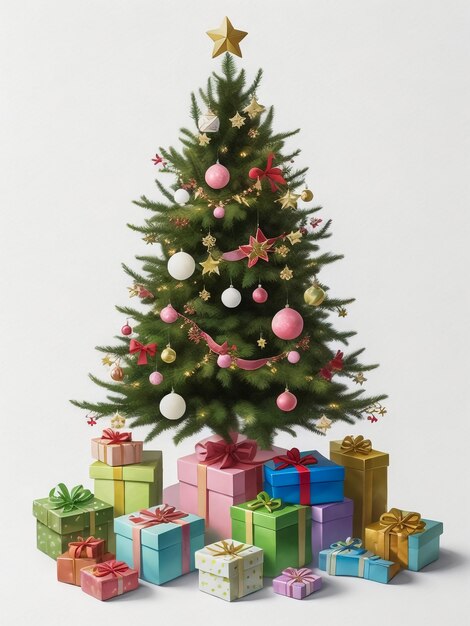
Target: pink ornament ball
x,y
293,356
126,330
217,176
218,212
260,295
168,315
286,401
224,360
155,378
287,324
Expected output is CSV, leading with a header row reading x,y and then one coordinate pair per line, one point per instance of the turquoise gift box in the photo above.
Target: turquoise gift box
x,y
304,478
349,558
159,542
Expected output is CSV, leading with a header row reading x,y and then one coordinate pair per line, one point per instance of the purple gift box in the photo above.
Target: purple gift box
x,y
296,583
330,522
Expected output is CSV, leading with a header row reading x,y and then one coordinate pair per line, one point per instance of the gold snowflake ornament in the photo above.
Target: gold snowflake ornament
x,y
286,273
282,250
209,241
359,378
204,295
118,421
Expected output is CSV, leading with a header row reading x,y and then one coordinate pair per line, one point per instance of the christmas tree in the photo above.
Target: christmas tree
x,y
235,331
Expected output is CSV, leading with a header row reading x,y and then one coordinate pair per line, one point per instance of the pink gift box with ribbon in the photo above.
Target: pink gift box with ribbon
x,y
297,583
220,474
108,580
115,448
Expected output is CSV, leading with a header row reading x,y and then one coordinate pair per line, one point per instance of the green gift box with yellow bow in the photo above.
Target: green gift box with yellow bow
x,y
282,531
67,514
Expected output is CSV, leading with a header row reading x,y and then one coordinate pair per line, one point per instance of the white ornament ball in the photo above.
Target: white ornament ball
x,y
172,406
181,196
181,265
231,297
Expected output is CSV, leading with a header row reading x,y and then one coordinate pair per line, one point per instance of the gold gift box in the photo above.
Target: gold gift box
x,y
365,479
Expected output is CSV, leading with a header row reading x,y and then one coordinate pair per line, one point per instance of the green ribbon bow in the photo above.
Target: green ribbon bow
x,y
67,500
264,499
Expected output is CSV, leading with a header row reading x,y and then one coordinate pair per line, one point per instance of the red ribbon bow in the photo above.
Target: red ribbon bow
x,y
76,548
136,346
115,568
165,515
273,174
293,458
111,436
227,454
335,365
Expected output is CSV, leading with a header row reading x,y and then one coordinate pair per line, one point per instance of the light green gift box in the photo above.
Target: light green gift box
x,y
130,488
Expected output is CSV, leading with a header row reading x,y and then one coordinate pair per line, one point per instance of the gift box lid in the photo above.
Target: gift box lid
x,y
287,515
159,536
227,565
356,460
432,530
143,472
334,510
323,470
79,518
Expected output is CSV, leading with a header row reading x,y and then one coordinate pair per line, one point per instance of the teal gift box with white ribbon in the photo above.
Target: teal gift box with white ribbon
x,y
349,558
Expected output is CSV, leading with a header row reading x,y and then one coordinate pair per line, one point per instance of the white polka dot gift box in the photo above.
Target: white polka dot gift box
x,y
229,569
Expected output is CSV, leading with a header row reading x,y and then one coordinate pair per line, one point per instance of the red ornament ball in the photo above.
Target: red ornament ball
x,y
217,176
260,295
126,330
168,315
224,360
286,401
293,356
287,324
155,378
219,212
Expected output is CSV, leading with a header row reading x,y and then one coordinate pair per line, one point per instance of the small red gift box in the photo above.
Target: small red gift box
x,y
115,448
109,579
89,548
69,567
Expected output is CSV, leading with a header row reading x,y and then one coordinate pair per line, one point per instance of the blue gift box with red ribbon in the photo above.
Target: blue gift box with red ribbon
x,y
304,478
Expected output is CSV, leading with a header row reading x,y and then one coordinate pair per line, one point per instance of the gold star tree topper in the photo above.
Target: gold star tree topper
x,y
226,38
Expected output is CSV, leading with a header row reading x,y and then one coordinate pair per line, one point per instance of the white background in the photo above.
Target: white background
x,y
89,90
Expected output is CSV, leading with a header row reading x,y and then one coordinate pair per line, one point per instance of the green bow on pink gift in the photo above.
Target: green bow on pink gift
x,y
67,500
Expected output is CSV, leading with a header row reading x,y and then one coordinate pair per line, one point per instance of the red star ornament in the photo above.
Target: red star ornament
x,y
258,247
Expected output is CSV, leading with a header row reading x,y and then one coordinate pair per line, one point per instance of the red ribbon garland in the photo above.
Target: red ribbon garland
x,y
227,454
136,346
293,458
76,548
115,568
111,436
273,174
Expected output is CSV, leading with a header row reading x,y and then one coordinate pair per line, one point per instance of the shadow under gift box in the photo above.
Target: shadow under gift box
x,y
161,552
330,521
56,529
284,535
318,483
130,487
357,562
209,491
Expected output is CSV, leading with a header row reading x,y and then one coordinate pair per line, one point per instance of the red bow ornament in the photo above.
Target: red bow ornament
x,y
110,437
136,346
273,174
226,454
336,363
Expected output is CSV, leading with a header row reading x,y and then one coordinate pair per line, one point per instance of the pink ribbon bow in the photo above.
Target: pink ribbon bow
x,y
111,436
273,174
227,454
115,568
302,575
136,346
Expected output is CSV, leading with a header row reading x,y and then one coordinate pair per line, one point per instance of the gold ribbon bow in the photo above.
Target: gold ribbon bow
x,y
356,444
402,522
264,499
392,536
226,548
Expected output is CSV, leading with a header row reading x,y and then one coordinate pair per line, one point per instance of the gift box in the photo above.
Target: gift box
x,y
116,448
304,478
130,487
220,474
108,580
330,521
282,531
68,567
229,569
297,583
159,542
349,558
365,479
66,515
90,548
404,537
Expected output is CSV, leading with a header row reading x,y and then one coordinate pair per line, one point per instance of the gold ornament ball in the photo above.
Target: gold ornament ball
x,y
306,195
117,373
314,295
168,355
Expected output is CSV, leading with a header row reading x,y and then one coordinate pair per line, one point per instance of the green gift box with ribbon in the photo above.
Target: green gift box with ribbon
x,y
67,514
282,531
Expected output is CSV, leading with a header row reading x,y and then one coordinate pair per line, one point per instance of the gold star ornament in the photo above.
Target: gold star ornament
x,y
237,120
204,295
106,360
286,273
342,312
204,140
323,423
288,200
261,342
226,38
295,237
359,378
210,265
254,108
